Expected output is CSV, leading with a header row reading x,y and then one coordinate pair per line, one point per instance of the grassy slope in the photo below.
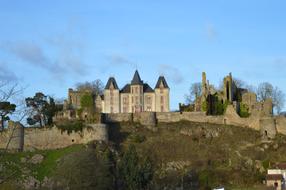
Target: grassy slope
x,y
228,159
17,170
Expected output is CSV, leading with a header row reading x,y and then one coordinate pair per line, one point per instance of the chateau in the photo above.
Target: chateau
x,y
134,97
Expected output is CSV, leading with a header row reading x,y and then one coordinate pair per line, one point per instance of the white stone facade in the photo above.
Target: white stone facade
x,y
136,96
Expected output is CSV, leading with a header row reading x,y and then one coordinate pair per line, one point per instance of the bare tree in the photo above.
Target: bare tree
x,y
195,91
265,90
96,87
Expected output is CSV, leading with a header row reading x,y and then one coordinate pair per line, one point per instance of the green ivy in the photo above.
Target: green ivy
x,y
72,126
244,110
204,106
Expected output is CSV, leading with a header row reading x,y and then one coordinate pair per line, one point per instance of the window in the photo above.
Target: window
x,y
148,108
162,99
111,109
136,100
148,100
162,108
161,90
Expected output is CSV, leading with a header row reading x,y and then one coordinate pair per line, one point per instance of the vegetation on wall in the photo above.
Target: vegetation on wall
x,y
71,126
205,106
216,106
244,110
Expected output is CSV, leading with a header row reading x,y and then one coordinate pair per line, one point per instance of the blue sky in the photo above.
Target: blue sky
x,y
50,45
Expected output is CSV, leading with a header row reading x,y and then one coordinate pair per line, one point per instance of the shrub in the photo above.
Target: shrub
x,y
244,110
205,106
71,126
135,173
137,138
86,101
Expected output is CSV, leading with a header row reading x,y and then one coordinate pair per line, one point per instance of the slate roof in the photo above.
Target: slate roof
x,y
163,80
136,79
147,88
274,177
281,166
125,89
110,81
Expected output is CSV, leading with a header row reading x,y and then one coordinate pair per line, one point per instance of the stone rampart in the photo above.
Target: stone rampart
x,y
268,128
145,118
117,117
281,124
51,137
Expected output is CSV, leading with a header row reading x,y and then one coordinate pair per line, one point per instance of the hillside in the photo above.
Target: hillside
x,y
183,155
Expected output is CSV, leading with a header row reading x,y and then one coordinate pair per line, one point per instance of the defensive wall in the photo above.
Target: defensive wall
x,y
268,126
30,138
21,138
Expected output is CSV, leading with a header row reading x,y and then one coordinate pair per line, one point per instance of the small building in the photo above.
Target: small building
x,y
219,188
276,177
274,180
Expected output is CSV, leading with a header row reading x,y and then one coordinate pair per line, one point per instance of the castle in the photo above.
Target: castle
x,y
137,102
230,94
134,97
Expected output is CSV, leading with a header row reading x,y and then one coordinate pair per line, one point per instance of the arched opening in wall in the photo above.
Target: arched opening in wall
x,y
276,184
72,140
224,121
227,90
265,133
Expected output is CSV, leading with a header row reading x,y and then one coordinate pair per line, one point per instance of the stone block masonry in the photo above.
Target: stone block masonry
x,y
31,138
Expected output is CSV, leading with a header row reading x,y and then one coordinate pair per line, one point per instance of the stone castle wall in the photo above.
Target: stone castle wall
x,y
117,117
280,122
272,125
51,138
31,138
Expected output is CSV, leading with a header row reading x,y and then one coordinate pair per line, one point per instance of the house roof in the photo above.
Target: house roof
x,y
274,177
125,89
281,166
112,81
162,80
136,79
147,88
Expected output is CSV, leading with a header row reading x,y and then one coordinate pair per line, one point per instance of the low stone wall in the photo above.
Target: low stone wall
x,y
117,117
199,117
145,118
53,138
